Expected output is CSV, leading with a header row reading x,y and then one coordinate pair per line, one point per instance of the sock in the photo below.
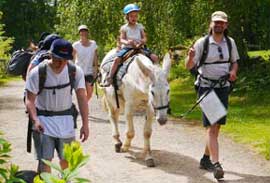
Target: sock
x,y
206,157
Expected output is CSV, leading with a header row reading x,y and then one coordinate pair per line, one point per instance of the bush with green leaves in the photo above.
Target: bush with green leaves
x,y
73,154
5,47
8,171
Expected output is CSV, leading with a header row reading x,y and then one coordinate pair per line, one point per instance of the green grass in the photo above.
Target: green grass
x,y
248,118
183,97
7,79
265,54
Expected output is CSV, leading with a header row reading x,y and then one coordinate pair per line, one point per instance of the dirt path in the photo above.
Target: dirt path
x,y
177,148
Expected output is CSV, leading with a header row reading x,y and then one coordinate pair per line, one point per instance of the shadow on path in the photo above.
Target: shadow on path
x,y
101,120
175,163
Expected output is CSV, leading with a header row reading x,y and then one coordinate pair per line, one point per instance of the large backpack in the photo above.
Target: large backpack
x,y
194,70
19,62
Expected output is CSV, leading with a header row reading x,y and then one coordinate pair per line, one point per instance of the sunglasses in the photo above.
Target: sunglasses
x,y
220,53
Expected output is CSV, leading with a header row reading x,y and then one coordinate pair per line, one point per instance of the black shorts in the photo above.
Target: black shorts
x,y
223,95
89,78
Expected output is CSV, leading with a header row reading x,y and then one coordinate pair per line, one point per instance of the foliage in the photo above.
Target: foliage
x,y
5,46
167,23
26,19
259,79
73,154
7,171
159,24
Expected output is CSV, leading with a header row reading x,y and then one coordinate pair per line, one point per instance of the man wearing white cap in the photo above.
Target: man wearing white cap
x,y
214,57
85,53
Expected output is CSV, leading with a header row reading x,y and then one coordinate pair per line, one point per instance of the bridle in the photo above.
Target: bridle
x,y
161,107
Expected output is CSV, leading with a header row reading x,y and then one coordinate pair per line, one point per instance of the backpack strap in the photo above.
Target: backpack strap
x,y
42,74
72,75
229,44
205,51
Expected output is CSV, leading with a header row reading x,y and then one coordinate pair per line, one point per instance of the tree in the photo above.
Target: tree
x,y
5,46
25,20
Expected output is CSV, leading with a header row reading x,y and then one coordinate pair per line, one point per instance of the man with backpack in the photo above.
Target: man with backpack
x,y
49,103
214,59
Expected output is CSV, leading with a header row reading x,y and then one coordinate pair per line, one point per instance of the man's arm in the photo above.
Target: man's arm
x,y
83,107
31,108
95,63
144,37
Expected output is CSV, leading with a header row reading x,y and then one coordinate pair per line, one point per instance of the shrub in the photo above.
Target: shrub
x,y
73,154
7,171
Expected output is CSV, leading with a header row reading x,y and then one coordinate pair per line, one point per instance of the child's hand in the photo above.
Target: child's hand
x,y
131,43
139,45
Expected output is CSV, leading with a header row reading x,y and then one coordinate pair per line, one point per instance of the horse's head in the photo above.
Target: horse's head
x,y
159,88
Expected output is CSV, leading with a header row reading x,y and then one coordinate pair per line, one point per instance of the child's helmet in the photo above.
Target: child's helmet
x,y
130,7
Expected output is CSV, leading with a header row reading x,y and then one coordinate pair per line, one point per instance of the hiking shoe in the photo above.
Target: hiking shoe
x,y
218,171
206,164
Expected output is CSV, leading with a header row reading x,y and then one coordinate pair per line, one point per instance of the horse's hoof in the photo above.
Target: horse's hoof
x,y
118,147
150,162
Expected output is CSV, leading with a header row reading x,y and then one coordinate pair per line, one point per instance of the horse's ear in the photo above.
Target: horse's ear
x,y
145,70
166,65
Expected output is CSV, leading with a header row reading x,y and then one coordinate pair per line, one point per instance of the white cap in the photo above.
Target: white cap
x,y
219,16
82,27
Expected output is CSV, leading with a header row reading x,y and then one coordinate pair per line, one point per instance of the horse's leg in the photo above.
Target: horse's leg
x,y
130,132
147,136
114,117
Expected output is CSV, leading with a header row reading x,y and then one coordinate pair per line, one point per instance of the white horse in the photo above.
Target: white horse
x,y
143,81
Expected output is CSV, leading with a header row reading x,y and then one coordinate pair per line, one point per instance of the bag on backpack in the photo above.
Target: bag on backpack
x,y
19,62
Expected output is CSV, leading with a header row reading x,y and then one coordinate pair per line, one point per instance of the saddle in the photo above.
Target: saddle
x,y
123,67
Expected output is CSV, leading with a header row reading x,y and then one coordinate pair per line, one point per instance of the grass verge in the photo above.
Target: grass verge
x,y
7,79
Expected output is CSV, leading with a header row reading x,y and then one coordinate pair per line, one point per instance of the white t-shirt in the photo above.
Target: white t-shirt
x,y
132,32
55,126
85,56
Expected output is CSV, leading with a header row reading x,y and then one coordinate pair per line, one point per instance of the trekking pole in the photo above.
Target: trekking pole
x,y
221,80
